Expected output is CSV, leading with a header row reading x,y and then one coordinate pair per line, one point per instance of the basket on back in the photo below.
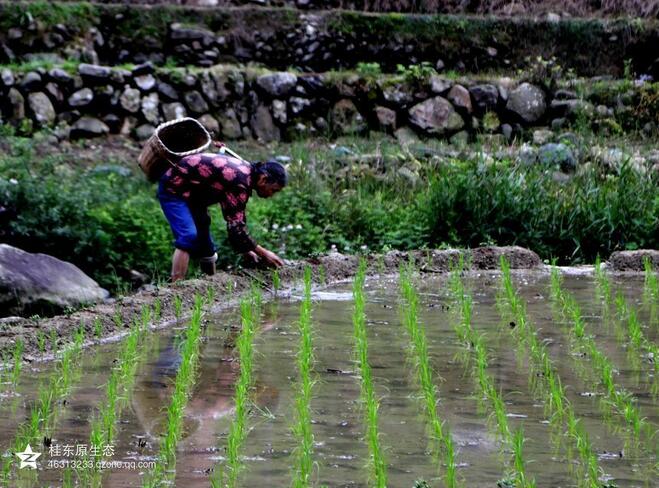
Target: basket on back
x,y
169,143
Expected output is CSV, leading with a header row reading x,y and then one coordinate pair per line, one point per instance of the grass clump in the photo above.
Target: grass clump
x,y
419,347
651,294
370,403
302,429
227,475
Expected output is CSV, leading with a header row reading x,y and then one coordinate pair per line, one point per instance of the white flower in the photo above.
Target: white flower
x,y
333,247
275,226
363,247
298,226
289,227
13,181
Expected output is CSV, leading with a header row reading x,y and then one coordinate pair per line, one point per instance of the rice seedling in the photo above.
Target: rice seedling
x,y
620,399
651,293
495,405
302,429
98,328
118,319
42,416
552,392
157,309
210,296
53,337
249,312
424,373
183,384
41,341
370,403
178,307
322,275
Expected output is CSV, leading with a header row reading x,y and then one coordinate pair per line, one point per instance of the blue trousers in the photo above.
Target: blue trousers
x,y
190,223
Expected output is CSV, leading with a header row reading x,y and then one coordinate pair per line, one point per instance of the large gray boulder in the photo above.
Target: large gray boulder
x,y
436,116
89,127
527,101
38,283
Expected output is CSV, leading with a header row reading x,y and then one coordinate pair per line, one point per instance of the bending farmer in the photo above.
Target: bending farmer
x,y
196,182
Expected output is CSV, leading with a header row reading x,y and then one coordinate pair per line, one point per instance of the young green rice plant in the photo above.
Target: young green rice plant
x,y
118,319
178,307
249,312
370,403
621,400
117,390
424,373
552,392
210,296
183,385
53,338
157,309
651,294
302,429
43,413
322,277
494,404
98,328
41,341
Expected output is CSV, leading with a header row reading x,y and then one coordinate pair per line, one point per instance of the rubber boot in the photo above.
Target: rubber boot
x,y
207,265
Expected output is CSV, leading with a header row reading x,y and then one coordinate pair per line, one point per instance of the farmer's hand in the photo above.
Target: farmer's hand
x,y
251,256
269,257
218,144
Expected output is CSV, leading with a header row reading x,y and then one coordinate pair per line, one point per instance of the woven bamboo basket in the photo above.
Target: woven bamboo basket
x,y
169,143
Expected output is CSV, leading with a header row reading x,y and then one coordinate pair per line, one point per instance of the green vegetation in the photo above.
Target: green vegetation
x,y
548,383
419,346
42,416
651,295
183,384
622,400
302,429
107,223
370,403
117,393
475,347
250,311
18,361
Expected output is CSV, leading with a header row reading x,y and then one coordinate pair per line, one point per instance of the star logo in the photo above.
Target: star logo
x,y
28,458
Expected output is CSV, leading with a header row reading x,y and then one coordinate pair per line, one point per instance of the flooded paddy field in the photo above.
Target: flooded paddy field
x,y
465,382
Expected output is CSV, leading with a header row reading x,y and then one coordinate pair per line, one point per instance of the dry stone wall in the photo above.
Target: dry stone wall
x,y
237,103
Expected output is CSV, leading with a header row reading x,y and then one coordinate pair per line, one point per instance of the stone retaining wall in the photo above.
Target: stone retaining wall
x,y
245,103
319,41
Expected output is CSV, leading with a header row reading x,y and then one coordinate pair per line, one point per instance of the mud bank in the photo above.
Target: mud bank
x,y
109,321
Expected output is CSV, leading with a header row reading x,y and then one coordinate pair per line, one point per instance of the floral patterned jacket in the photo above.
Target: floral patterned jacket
x,y
205,179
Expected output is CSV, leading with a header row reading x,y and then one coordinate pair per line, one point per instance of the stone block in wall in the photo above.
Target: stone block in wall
x,y
277,84
346,118
229,125
386,118
195,102
88,127
485,97
263,125
41,109
527,102
459,96
435,116
172,111
130,100
95,74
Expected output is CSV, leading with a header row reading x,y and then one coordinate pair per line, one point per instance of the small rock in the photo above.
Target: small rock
x,y
485,97
81,98
229,124
42,108
279,111
89,127
167,92
439,85
460,139
507,131
211,124
31,81
173,111
542,136
130,100
95,73
150,105
195,102
298,104
557,154
346,119
406,137
460,98
263,126
145,82
144,131
386,118
7,77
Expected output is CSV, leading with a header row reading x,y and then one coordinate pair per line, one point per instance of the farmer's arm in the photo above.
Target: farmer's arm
x,y
233,211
